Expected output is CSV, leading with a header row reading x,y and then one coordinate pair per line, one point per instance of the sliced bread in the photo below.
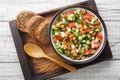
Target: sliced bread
x,y
41,32
22,19
33,23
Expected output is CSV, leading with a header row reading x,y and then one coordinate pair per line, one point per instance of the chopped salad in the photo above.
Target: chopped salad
x,y
77,34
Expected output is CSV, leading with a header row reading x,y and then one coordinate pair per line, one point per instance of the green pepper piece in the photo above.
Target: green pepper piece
x,y
59,17
79,21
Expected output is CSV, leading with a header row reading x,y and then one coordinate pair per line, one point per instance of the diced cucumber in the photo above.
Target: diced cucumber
x,y
99,29
76,46
89,36
79,47
55,28
56,33
83,49
83,57
83,41
88,42
83,35
58,24
85,26
77,30
73,29
76,15
80,41
91,31
80,16
60,50
70,17
71,57
76,11
88,21
79,25
94,20
80,38
76,34
86,47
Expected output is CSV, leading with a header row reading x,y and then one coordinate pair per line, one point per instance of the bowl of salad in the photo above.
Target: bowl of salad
x,y
78,34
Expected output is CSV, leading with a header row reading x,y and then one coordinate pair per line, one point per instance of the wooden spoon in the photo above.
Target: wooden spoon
x,y
36,52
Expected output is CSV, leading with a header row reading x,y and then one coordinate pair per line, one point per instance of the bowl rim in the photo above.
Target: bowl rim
x,y
78,61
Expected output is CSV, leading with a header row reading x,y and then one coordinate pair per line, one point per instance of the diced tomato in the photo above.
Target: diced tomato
x,y
77,57
90,51
66,33
96,27
68,47
74,54
55,22
59,37
93,34
86,30
99,36
98,23
55,39
96,45
71,12
64,42
82,27
86,16
62,26
83,21
64,16
71,36
71,25
87,52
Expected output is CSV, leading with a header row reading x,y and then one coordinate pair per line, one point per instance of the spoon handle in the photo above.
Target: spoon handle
x,y
66,66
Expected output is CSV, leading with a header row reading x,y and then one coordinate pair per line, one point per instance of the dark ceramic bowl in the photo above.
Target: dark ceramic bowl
x,y
98,51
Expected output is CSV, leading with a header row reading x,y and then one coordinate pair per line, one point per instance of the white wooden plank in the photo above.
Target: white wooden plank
x,y
4,29
2,44
8,57
109,9
5,37
12,8
108,70
8,50
39,6
10,71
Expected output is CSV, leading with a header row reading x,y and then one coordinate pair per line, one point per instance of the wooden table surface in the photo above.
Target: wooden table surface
x,y
9,63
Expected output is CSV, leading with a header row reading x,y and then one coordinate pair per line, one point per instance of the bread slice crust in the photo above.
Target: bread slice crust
x,y
22,19
33,23
41,32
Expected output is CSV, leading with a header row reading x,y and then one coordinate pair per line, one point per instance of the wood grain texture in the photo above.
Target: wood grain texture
x,y
9,63
108,70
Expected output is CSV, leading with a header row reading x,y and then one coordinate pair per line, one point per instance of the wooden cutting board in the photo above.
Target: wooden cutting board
x,y
39,69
